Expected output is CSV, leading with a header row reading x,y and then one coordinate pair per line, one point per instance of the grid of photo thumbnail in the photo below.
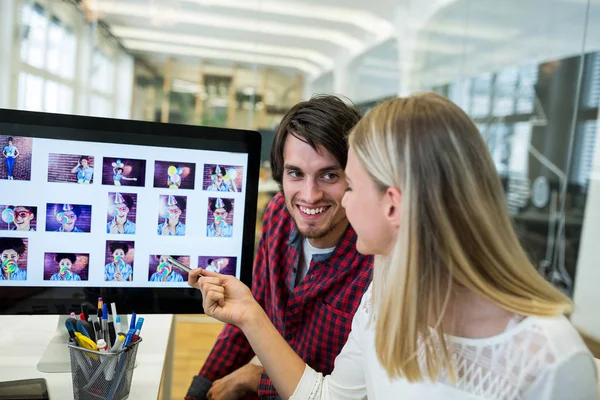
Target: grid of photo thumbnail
x,y
122,179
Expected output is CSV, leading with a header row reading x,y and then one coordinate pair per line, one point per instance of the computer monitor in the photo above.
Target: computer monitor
x,y
93,207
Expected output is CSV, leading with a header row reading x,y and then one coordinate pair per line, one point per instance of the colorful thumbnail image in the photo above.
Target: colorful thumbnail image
x,y
13,255
220,265
222,178
66,266
119,261
220,217
161,271
16,152
171,215
18,218
123,172
121,212
74,168
75,218
174,175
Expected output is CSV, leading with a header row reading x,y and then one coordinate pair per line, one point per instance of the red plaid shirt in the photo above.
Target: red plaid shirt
x,y
314,317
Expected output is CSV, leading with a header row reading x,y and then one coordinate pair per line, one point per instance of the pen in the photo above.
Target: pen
x,y
132,324
113,309
179,265
105,323
99,307
138,329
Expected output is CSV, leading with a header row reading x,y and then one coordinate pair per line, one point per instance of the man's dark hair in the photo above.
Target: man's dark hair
x,y
84,158
209,261
61,256
120,170
10,243
157,257
323,120
226,203
114,246
10,139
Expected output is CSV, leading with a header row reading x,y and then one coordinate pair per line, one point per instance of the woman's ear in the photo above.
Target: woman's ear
x,y
393,203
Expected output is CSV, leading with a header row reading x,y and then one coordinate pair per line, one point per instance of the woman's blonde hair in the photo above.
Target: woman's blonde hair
x,y
455,229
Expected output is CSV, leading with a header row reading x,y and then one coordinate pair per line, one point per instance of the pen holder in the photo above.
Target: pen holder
x,y
102,375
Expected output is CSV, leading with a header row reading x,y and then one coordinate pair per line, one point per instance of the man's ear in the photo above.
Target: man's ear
x,y
393,203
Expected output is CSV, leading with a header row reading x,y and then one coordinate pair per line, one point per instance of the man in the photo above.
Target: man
x,y
68,217
119,209
220,208
307,275
84,172
24,215
11,250
171,211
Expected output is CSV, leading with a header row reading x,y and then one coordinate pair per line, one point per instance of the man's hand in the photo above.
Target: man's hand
x,y
237,384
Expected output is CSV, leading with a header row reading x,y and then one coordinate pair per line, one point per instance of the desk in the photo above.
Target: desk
x,y
23,340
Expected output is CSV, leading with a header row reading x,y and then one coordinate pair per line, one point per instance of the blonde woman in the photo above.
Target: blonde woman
x,y
456,310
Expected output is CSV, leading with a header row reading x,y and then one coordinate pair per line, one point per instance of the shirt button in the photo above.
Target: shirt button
x,y
295,269
288,337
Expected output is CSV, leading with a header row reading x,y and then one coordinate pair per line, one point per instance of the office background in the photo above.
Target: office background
x,y
528,72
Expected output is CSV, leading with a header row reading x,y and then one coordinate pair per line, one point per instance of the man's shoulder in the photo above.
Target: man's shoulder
x,y
277,208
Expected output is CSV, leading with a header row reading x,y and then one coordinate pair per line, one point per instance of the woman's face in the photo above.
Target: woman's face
x,y
65,263
118,253
366,209
10,254
23,218
174,212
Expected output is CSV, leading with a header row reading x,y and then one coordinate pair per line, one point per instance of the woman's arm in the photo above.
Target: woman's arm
x,y
17,152
74,170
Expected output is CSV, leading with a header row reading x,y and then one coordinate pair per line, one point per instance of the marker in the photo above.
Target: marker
x,y
105,322
138,329
132,323
100,307
113,309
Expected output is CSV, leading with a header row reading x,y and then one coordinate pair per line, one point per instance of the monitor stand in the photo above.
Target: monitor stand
x,y
56,358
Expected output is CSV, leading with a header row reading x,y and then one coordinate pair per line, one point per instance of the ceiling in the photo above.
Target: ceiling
x,y
308,36
450,37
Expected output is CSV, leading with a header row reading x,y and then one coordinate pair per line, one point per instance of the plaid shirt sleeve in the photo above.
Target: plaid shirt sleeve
x,y
232,350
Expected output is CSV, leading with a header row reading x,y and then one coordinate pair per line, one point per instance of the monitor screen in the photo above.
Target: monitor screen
x,y
100,205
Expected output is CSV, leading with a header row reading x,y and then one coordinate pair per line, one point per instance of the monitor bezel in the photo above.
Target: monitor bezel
x,y
109,130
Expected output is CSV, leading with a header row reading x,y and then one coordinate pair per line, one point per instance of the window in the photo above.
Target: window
x,y
505,88
30,92
102,73
33,35
526,97
591,90
584,153
58,98
480,106
460,93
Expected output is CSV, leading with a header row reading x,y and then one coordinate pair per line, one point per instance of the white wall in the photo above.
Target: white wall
x,y
587,280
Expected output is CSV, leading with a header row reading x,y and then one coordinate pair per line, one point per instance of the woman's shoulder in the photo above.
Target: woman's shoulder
x,y
557,335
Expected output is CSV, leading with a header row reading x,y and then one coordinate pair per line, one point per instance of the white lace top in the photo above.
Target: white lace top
x,y
538,358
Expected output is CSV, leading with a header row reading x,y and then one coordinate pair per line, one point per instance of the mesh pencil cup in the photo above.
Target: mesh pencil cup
x,y
102,375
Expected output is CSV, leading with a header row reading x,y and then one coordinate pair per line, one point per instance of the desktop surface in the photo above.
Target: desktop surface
x,y
25,339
